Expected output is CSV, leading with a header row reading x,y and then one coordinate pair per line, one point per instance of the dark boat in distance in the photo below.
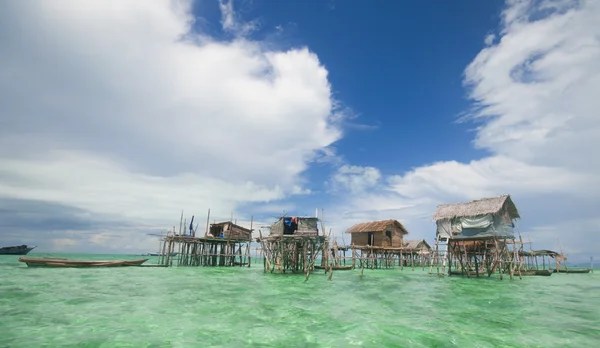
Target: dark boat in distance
x,y
16,250
576,270
536,272
160,254
59,262
335,268
525,272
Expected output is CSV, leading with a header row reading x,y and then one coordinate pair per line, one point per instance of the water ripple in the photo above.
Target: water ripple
x,y
211,307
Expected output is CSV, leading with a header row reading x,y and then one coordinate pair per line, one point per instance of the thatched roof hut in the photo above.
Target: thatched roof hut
x,y
550,253
417,246
478,218
378,233
478,207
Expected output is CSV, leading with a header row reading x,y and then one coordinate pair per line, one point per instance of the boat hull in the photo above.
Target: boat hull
x,y
468,273
16,250
536,272
533,272
57,262
336,268
581,271
160,254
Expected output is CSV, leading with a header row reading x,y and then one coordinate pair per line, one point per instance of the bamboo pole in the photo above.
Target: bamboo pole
x,y
181,222
362,266
207,223
163,255
248,245
331,267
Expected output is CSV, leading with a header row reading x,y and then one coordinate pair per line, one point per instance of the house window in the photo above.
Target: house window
x,y
388,234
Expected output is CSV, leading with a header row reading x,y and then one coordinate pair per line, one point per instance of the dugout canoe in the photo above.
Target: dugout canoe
x,y
58,262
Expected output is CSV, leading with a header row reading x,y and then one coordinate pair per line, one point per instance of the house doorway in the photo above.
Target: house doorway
x,y
370,238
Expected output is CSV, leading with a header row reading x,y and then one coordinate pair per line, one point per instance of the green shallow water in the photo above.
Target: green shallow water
x,y
244,307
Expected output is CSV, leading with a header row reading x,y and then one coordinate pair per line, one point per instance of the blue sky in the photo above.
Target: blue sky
x,y
406,88
119,116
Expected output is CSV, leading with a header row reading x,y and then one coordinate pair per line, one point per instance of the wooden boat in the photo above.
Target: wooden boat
x,y
585,270
535,272
16,250
529,272
469,273
59,262
336,268
160,254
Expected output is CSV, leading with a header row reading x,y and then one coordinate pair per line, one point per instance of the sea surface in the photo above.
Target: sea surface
x,y
244,307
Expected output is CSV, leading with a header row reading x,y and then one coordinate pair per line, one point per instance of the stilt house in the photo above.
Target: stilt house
x,y
415,253
295,225
229,230
478,219
417,246
384,233
293,245
477,237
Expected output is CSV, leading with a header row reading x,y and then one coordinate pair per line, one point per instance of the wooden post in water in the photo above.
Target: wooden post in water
x,y
207,223
362,265
208,251
181,222
248,245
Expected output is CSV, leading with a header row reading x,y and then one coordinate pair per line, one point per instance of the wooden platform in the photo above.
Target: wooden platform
x,y
205,251
292,253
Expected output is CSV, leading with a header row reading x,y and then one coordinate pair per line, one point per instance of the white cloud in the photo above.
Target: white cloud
x,y
63,244
535,90
490,177
355,179
536,86
105,187
554,236
231,24
227,14
118,108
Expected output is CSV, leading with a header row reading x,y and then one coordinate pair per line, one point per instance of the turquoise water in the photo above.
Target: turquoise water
x,y
244,307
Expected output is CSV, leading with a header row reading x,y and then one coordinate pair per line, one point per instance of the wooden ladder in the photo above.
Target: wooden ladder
x,y
437,257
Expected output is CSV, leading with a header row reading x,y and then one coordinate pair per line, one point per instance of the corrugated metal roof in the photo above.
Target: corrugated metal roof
x,y
232,225
375,226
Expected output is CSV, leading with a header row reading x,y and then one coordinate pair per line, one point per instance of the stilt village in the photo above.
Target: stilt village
x,y
480,238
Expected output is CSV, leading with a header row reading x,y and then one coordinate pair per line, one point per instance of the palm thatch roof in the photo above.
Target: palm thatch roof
x,y
376,226
477,207
414,244
551,253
